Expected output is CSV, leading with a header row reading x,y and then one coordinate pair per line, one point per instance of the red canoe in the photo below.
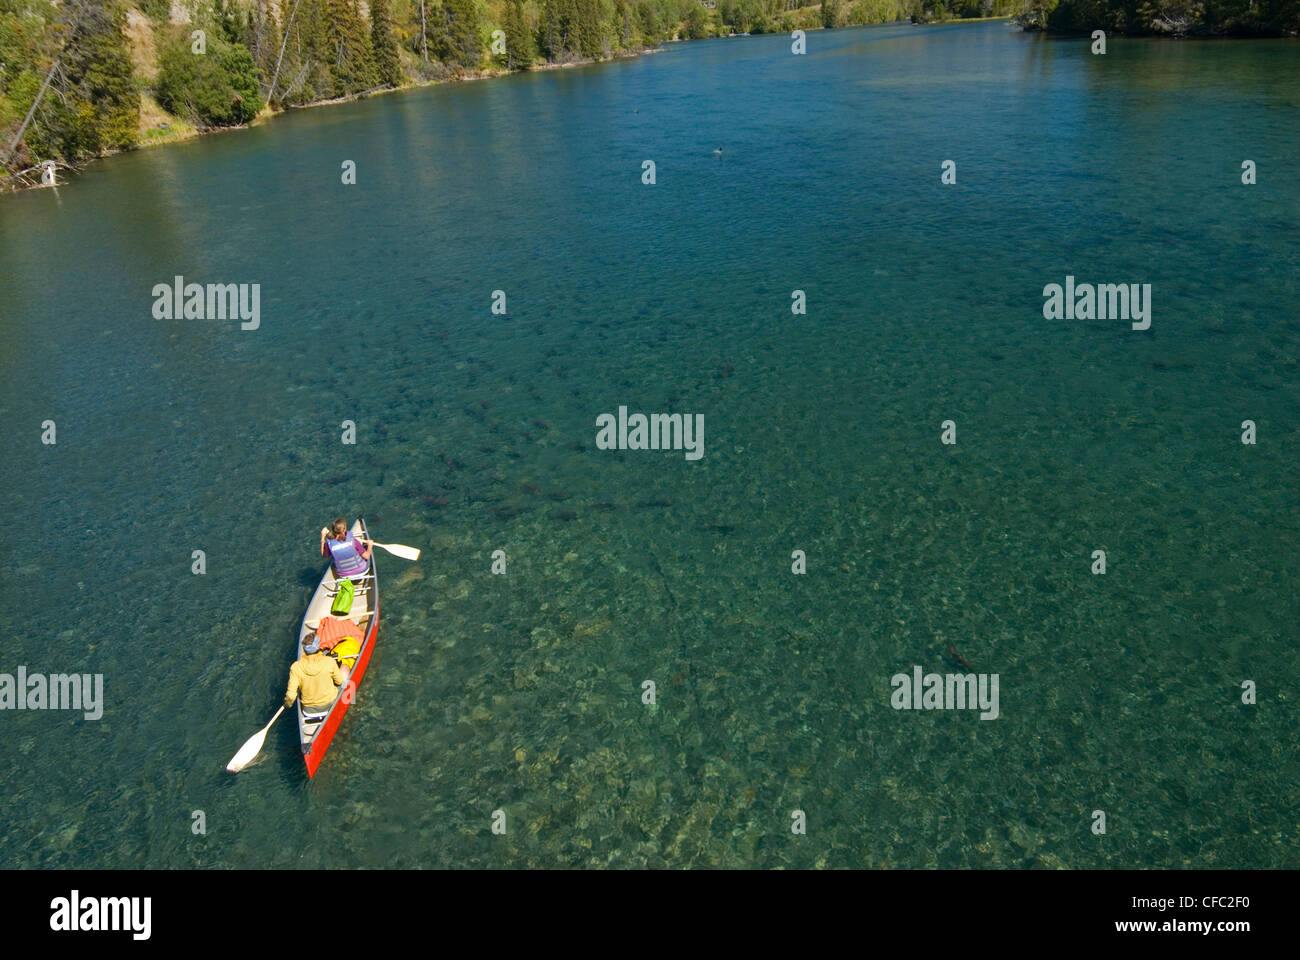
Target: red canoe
x,y
317,729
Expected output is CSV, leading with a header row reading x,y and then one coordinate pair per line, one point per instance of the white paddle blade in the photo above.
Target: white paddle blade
x,y
397,549
248,752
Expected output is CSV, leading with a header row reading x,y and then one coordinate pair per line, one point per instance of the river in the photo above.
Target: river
x,y
476,431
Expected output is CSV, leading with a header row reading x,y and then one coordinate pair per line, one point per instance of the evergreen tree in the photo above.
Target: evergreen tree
x,y
697,24
264,38
351,59
560,30
548,31
521,51
385,47
570,19
92,104
305,71
648,17
590,29
460,40
623,23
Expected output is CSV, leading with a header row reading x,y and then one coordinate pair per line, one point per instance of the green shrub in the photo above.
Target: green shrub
x,y
697,23
214,89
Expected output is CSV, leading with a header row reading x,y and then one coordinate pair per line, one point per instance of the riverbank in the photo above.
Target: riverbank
x,y
177,130
270,113
157,127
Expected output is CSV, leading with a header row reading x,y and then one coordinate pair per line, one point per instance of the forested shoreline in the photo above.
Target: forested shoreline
x,y
83,78
1223,18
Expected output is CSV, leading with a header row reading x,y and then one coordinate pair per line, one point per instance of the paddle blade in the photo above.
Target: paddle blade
x,y
397,549
248,752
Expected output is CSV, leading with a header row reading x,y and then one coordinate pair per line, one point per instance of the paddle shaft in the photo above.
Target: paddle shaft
x,y
397,549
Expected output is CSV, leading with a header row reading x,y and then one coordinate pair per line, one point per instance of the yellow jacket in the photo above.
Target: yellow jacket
x,y
317,676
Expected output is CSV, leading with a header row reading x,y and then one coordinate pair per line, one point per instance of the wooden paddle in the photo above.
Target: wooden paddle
x,y
252,748
396,549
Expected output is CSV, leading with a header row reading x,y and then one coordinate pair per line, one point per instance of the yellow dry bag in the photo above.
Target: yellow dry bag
x,y
346,651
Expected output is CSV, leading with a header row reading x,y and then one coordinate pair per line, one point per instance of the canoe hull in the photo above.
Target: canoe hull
x,y
321,742
315,736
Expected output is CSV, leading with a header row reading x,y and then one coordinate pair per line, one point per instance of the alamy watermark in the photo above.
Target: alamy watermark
x,y
659,431
953,691
76,913
179,300
1104,301
58,691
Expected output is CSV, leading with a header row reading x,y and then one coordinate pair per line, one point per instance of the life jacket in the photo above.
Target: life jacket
x,y
348,562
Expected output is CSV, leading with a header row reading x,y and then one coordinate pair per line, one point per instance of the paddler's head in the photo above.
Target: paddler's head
x,y
339,529
311,645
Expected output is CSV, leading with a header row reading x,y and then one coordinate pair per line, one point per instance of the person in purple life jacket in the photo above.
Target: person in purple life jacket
x,y
349,553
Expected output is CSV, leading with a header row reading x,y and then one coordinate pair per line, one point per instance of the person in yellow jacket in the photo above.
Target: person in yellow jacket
x,y
315,677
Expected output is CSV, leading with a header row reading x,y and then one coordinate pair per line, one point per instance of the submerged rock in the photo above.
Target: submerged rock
x,y
592,628
412,575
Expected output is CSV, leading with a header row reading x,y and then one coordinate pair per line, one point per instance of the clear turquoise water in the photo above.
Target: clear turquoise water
x,y
1118,693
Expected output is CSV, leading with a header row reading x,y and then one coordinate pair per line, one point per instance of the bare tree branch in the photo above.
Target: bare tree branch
x,y
50,75
270,91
